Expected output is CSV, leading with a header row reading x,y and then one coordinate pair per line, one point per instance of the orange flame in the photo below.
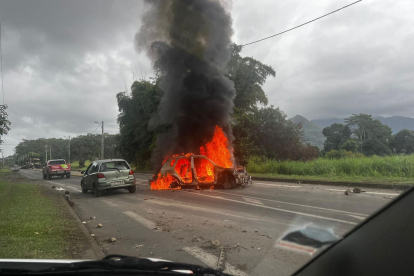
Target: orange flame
x,y
217,150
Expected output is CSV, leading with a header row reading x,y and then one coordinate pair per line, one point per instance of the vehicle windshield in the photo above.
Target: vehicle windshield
x,y
57,162
244,136
115,165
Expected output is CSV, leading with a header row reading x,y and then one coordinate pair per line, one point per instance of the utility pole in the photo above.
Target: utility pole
x,y
69,150
102,142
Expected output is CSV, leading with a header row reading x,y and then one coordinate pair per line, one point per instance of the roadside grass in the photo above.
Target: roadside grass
x,y
75,165
33,225
375,169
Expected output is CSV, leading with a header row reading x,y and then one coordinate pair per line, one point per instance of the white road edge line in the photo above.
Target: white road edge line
x,y
295,204
251,200
276,185
357,217
375,193
147,223
211,260
282,210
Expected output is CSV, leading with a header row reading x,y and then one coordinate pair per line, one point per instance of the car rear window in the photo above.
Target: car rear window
x,y
114,166
57,162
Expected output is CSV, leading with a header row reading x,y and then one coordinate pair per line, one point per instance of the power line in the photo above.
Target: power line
x,y
96,128
302,24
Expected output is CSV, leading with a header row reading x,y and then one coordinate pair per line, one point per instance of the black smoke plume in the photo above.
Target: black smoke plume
x,y
189,42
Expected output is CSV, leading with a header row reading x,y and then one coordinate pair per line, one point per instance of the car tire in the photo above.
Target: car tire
x,y
96,192
68,175
49,176
83,189
132,189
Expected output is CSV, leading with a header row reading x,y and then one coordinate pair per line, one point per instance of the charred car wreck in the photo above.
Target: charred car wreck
x,y
197,171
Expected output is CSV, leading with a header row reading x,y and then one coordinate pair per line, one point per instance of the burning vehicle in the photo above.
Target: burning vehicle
x,y
198,171
213,167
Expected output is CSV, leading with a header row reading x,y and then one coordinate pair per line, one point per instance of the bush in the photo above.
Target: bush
x,y
351,165
337,154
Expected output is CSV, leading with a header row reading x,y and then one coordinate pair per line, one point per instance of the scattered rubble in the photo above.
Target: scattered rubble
x,y
53,187
348,192
215,243
100,225
84,222
112,239
66,192
92,218
138,245
92,235
356,190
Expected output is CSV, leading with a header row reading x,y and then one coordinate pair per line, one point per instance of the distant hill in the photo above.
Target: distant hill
x,y
311,131
396,123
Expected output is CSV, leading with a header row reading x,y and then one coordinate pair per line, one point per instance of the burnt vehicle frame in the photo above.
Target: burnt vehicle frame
x,y
223,177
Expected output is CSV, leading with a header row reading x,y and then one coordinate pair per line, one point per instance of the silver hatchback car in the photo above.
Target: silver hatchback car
x,y
108,174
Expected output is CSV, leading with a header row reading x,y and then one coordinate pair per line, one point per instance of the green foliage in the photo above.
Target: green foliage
x,y
374,166
136,140
4,122
248,76
372,136
349,145
336,134
404,141
337,154
269,133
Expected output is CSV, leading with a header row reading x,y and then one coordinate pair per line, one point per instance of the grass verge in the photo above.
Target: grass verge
x,y
374,169
35,224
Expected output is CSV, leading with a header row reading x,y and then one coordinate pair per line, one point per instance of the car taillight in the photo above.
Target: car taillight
x,y
131,172
100,175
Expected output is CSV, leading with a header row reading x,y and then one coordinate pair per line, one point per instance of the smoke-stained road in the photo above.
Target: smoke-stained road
x,y
192,226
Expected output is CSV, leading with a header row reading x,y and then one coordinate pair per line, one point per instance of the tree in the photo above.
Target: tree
x,y
373,136
248,76
404,141
86,147
136,140
336,134
349,145
4,122
267,132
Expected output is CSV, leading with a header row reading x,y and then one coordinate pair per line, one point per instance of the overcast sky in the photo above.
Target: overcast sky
x,y
64,61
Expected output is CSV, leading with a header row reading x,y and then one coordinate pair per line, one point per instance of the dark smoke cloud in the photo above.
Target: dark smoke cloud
x,y
189,41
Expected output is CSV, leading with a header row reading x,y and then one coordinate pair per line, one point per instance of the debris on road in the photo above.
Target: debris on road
x,y
84,222
92,218
348,192
215,243
100,225
138,245
60,189
356,190
66,192
53,187
92,235
112,239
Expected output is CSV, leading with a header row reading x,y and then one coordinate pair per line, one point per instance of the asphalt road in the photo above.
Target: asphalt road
x,y
193,226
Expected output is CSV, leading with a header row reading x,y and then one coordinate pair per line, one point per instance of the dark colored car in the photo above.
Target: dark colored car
x,y
109,174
